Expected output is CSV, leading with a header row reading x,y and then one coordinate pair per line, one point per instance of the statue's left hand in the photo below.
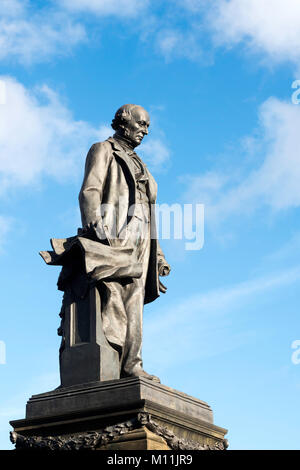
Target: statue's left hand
x,y
163,268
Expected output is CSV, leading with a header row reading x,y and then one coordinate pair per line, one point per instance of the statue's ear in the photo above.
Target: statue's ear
x,y
122,129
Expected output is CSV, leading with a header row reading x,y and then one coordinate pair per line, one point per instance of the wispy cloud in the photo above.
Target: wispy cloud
x,y
5,227
203,323
155,152
181,28
288,252
174,43
105,131
35,33
271,27
32,36
274,183
13,7
119,8
38,136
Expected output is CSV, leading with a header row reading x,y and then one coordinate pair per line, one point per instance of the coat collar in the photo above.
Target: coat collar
x,y
116,146
122,154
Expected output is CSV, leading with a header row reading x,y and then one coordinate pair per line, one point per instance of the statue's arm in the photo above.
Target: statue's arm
x,y
90,196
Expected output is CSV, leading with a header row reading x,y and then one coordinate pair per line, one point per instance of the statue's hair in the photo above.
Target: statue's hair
x,y
123,115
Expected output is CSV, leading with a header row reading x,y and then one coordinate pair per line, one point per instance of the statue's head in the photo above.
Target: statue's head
x,y
131,121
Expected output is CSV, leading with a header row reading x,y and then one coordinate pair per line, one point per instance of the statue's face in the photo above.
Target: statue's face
x,y
137,127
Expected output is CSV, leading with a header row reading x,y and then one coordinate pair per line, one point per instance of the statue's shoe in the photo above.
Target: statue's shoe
x,y
154,378
143,373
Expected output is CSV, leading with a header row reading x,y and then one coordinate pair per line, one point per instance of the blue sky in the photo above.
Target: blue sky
x,y
216,77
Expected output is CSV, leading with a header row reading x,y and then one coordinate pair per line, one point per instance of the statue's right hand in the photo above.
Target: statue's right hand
x,y
93,224
99,229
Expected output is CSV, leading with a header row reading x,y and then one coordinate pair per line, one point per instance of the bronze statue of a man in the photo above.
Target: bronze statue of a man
x,y
111,268
115,199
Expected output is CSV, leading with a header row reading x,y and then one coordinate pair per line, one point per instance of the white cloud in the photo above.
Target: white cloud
x,y
5,227
12,7
168,41
274,183
38,136
173,43
33,34
268,26
105,131
155,153
33,37
121,8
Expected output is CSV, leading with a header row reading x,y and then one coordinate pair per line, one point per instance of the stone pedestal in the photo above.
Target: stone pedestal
x,y
125,414
86,356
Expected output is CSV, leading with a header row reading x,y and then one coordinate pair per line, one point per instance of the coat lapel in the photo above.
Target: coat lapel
x,y
119,152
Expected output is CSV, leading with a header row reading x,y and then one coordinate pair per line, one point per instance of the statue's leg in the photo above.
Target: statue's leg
x,y
133,298
132,364
114,316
